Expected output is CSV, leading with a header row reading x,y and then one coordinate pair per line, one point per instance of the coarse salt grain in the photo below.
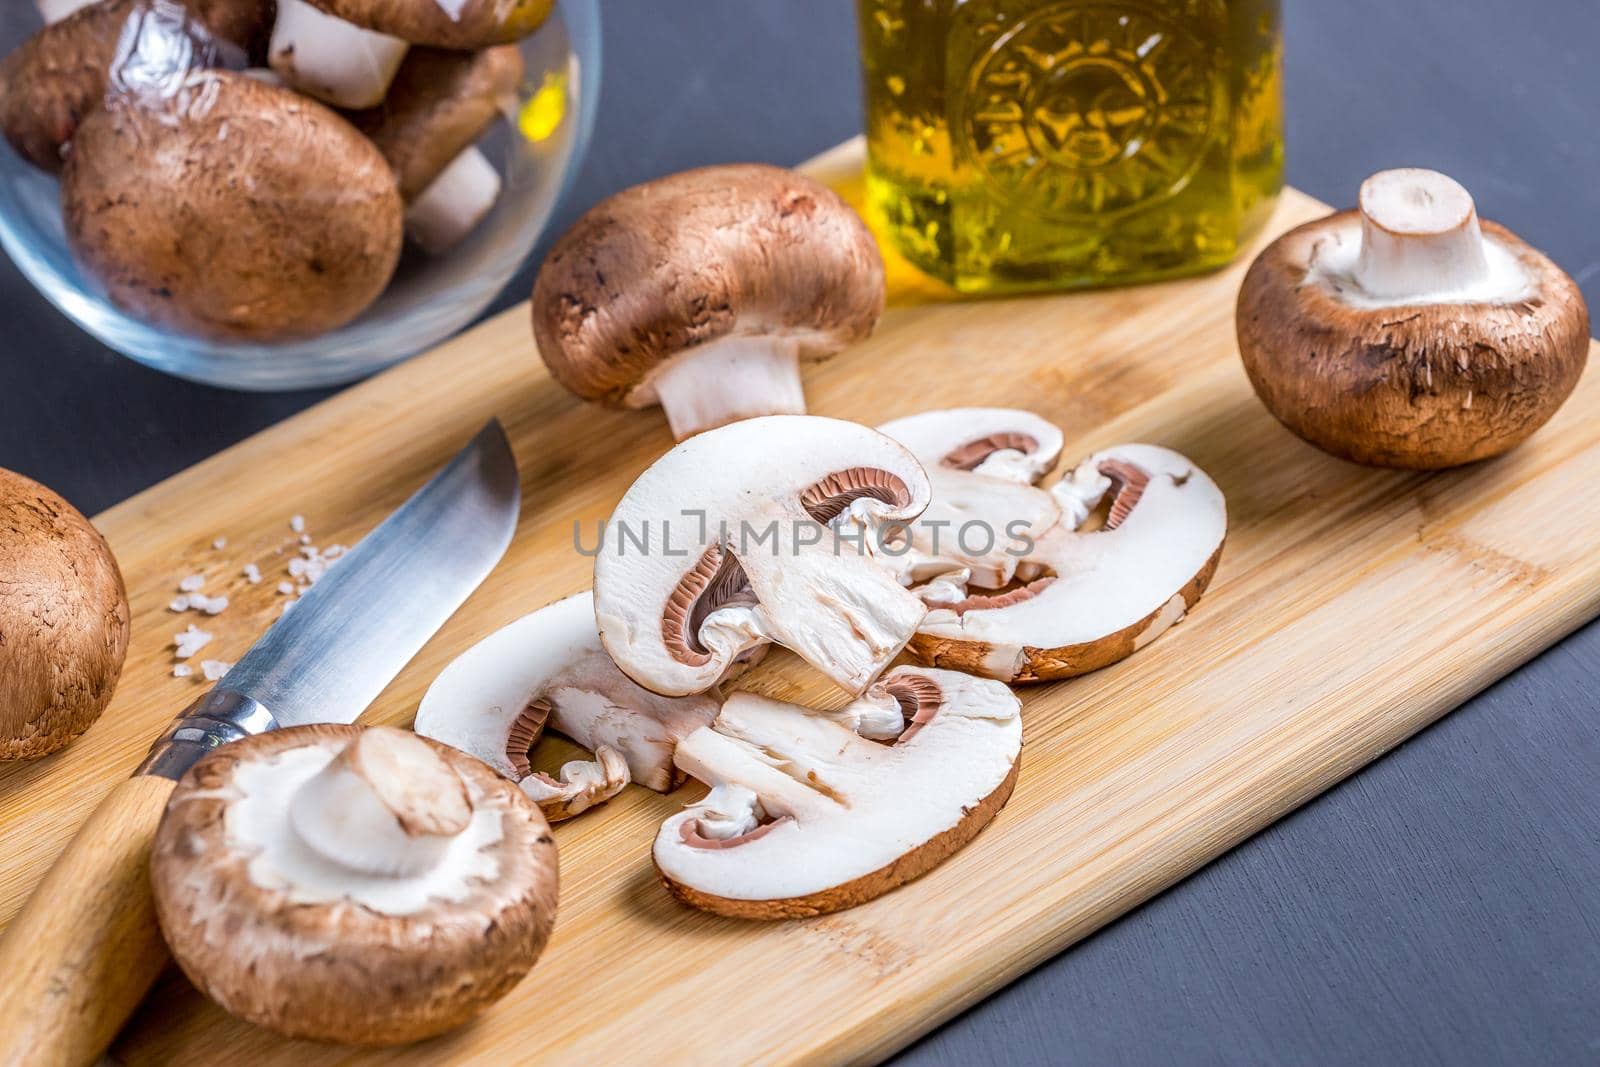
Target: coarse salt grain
x,y
297,567
215,606
182,670
252,574
334,552
285,588
179,603
298,523
191,583
305,539
220,543
214,669
189,642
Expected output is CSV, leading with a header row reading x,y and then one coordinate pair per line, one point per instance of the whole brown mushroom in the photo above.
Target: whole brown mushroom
x,y
460,24
1407,334
703,291
63,620
62,73
357,885
232,209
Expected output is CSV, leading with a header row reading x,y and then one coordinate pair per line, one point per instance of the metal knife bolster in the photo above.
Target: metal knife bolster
x,y
218,717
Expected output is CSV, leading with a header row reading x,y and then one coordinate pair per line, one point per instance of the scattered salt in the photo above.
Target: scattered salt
x,y
305,539
182,670
298,523
215,606
334,552
297,567
191,583
252,574
285,588
179,603
220,543
189,642
214,669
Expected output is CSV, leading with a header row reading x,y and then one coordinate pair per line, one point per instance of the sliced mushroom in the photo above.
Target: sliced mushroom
x,y
1409,334
63,620
1078,598
290,220
765,530
805,817
495,700
362,886
62,73
702,291
984,465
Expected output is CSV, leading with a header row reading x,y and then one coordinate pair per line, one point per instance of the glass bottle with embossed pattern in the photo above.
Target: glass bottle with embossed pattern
x,y
1046,144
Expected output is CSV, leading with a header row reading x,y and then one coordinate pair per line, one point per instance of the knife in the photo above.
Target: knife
x,y
83,951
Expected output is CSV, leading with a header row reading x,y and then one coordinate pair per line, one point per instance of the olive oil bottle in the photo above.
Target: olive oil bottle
x,y
1051,144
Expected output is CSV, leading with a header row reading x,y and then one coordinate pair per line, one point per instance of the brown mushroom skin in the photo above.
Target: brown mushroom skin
x,y
60,74
478,23
63,620
655,254
1377,386
474,953
439,104
914,864
259,215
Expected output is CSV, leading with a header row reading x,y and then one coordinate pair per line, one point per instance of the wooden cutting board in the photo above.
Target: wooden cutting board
x,y
1352,608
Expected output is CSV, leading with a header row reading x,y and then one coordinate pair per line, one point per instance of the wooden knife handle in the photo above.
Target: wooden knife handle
x,y
83,951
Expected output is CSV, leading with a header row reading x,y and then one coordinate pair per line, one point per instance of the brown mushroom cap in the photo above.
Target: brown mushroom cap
x,y
63,620
338,970
260,215
466,25
741,249
60,74
439,104
1417,386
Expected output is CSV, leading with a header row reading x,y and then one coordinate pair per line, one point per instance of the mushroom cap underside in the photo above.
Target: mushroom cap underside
x,y
328,954
1418,385
660,269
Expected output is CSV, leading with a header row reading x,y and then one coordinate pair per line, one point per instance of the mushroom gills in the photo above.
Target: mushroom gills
x,y
804,816
495,700
333,60
454,203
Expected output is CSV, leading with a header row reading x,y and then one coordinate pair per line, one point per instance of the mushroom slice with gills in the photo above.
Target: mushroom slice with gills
x,y
547,669
984,465
338,62
703,291
1104,593
805,817
1408,333
760,531
291,867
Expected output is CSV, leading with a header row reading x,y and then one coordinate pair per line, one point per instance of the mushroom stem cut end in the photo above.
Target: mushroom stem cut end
x,y
387,805
1419,234
335,61
730,379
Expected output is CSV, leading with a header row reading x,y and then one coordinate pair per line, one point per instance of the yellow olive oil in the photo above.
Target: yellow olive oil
x,y
1029,144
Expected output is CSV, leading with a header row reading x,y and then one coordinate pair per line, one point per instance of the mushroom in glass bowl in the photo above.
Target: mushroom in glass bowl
x,y
532,158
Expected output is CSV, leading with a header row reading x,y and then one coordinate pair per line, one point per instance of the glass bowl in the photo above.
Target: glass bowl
x,y
430,298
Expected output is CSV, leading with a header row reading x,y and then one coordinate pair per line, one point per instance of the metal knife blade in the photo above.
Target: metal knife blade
x,y
332,653
349,635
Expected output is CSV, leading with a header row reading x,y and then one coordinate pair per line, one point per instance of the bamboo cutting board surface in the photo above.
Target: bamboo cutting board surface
x,y
1352,608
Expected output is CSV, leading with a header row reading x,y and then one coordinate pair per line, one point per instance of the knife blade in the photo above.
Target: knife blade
x,y
85,948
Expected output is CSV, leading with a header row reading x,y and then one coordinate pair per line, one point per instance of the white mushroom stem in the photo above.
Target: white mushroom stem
x,y
387,805
56,10
453,203
582,784
330,59
728,380
1419,234
727,812
874,715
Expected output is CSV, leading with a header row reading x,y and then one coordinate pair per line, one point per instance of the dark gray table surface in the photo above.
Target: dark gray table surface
x,y
1439,907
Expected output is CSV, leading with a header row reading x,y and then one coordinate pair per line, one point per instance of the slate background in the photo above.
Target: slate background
x,y
1439,907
